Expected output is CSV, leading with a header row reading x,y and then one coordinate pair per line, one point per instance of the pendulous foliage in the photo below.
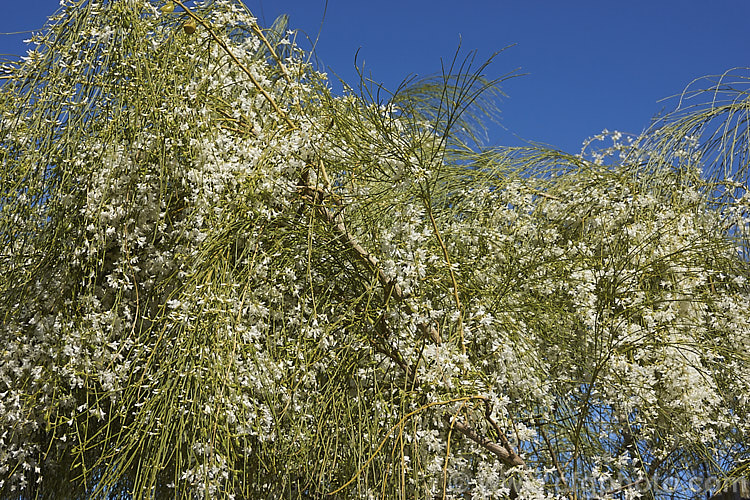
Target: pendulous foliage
x,y
219,280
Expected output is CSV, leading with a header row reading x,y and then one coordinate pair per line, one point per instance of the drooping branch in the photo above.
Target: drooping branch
x,y
317,197
400,423
446,256
240,65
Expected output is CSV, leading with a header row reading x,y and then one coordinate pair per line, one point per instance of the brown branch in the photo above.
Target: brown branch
x,y
504,453
500,433
317,196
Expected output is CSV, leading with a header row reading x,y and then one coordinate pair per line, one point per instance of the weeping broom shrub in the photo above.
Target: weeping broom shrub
x,y
221,281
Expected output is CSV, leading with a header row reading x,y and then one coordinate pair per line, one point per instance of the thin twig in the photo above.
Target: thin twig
x,y
396,426
239,64
453,277
555,461
276,58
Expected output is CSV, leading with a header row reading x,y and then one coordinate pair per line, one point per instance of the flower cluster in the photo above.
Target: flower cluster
x,y
221,281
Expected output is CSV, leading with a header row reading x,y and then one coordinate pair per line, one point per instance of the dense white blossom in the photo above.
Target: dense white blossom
x,y
220,281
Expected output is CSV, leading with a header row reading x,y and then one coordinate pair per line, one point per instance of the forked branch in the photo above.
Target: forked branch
x,y
504,452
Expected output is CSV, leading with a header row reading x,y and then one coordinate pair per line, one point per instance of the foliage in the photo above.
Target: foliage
x,y
220,280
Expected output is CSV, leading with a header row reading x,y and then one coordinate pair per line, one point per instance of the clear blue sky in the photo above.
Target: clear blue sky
x,y
591,64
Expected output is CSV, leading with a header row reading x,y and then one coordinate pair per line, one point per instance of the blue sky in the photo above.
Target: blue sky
x,y
591,64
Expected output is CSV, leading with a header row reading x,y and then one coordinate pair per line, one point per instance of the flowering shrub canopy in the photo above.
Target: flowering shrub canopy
x,y
218,280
